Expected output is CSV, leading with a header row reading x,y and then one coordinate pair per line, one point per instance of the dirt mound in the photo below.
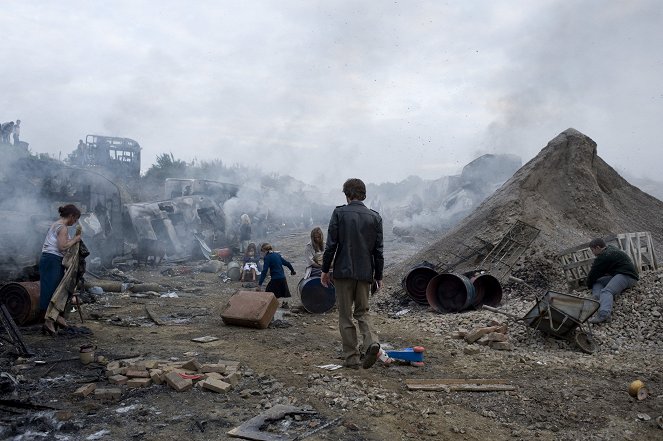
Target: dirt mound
x,y
567,191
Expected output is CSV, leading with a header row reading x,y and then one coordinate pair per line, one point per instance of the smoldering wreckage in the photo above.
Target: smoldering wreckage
x,y
483,330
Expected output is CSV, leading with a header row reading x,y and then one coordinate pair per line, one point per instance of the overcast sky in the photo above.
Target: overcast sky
x,y
325,90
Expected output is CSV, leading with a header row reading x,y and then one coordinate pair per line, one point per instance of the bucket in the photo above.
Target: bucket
x,y
416,281
488,290
234,271
22,301
86,353
314,297
449,292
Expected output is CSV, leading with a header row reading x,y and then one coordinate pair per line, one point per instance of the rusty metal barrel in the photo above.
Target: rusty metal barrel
x,y
448,292
314,297
416,281
22,301
234,271
488,290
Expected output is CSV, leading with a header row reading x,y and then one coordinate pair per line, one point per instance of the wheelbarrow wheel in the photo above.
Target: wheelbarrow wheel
x,y
585,342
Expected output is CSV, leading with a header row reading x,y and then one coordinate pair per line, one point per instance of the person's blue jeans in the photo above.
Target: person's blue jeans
x,y
606,288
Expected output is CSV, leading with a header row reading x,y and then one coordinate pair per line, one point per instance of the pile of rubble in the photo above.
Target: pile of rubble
x,y
218,377
636,320
346,393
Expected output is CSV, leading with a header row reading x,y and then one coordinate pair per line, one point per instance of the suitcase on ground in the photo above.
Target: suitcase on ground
x,y
251,309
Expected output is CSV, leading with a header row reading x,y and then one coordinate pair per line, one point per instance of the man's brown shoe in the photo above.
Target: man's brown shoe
x,y
371,356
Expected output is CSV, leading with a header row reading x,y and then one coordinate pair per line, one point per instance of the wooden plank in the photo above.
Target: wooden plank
x,y
460,385
446,381
481,388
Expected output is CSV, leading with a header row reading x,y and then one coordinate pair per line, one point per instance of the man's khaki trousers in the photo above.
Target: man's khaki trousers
x,y
351,292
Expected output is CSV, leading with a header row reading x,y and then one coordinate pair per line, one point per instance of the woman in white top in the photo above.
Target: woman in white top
x,y
313,253
51,270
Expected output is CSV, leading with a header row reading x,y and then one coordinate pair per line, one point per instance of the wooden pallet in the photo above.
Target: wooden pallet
x,y
640,248
576,264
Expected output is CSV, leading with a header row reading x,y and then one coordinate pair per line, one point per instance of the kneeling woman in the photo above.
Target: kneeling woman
x,y
275,263
51,270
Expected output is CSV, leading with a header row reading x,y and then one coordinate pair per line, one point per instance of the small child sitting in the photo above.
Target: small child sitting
x,y
250,264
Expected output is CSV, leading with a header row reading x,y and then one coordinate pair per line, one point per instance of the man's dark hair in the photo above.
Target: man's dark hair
x,y
597,243
355,189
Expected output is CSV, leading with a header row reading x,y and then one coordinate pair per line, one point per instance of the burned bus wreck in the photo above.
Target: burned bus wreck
x,y
180,224
119,157
34,189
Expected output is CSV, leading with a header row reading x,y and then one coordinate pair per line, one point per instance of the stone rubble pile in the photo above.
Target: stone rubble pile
x,y
345,393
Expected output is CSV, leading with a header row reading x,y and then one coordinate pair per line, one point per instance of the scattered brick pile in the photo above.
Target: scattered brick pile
x,y
494,336
181,376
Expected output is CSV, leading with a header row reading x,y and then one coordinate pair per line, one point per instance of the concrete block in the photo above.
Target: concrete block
x,y
216,385
85,390
108,393
251,309
139,382
118,379
178,383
